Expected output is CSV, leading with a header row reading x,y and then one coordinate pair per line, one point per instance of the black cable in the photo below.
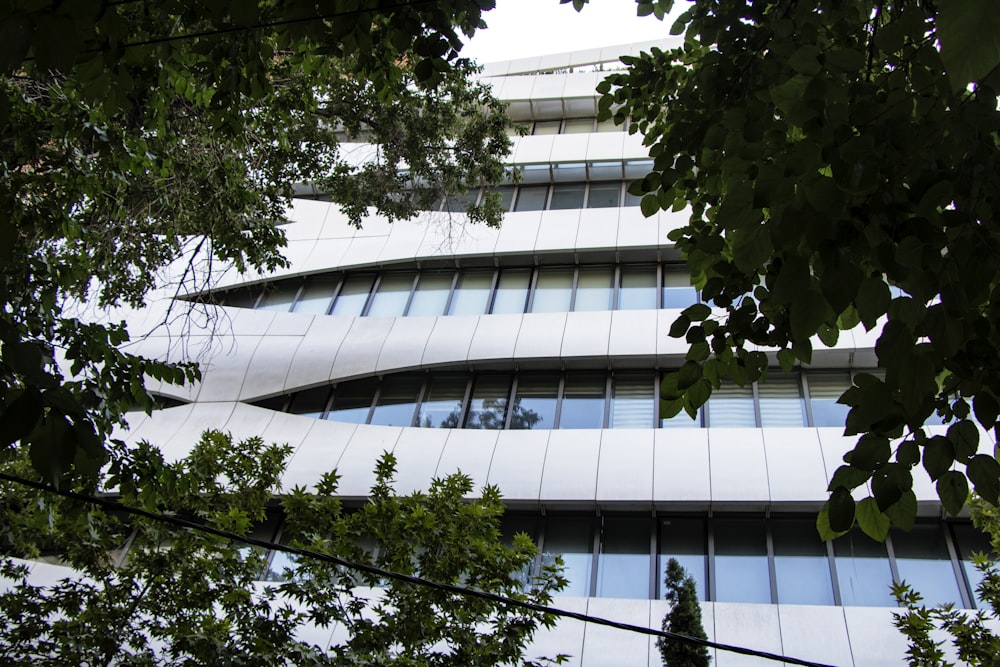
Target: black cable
x,y
389,574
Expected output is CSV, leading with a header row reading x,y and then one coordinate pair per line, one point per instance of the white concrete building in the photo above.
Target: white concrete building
x,y
529,357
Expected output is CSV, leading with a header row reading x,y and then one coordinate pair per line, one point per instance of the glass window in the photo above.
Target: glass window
x,y
731,406
352,401
923,562
637,168
514,524
353,295
609,126
632,402
552,291
578,125
442,408
677,290
531,197
488,406
623,565
431,294
631,199
593,288
741,570
536,173
638,288
684,540
279,297
567,195
969,541
571,538
310,403
546,127
583,401
506,195
458,203
512,291
472,293
606,171
781,401
801,564
397,401
391,295
566,172
244,297
863,571
316,295
604,195
535,401
824,390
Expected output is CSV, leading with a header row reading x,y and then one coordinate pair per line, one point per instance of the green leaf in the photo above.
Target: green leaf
x,y
939,455
829,335
688,374
985,408
872,301
751,248
871,452
903,512
697,312
649,205
969,32
699,392
848,477
826,532
786,359
680,326
965,437
808,313
840,509
953,490
984,473
872,520
19,418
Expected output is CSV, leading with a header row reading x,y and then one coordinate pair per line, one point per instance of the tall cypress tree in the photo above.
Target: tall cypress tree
x,y
684,618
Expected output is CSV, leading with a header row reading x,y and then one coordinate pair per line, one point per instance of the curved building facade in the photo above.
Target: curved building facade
x,y
529,357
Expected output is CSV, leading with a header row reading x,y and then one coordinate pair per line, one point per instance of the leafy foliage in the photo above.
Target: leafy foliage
x,y
181,596
684,618
974,640
839,160
136,134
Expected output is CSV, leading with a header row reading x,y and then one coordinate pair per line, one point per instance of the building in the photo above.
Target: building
x,y
529,358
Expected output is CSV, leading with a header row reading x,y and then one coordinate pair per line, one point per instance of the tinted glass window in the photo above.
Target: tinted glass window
x,y
677,290
593,288
546,127
316,295
353,295
442,407
535,401
863,571
488,406
741,569
801,565
684,539
604,195
970,541
278,298
552,291
431,294
512,291
638,288
583,401
391,295
924,563
572,539
632,402
311,402
352,401
472,293
731,406
781,401
824,390
567,195
397,401
531,197
623,566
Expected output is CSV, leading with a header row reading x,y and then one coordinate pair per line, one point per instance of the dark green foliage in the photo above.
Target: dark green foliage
x,y
838,159
183,597
134,135
684,618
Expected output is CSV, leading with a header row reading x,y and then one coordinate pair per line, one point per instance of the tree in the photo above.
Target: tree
x,y
839,159
136,134
180,596
684,618
976,644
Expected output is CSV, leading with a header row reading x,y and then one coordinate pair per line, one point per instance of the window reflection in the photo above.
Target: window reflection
x,y
391,295
512,291
623,565
443,406
397,401
781,401
488,405
863,571
824,390
571,538
431,294
353,295
352,401
583,401
741,570
923,562
472,294
801,565
553,291
535,402
316,295
684,540
638,288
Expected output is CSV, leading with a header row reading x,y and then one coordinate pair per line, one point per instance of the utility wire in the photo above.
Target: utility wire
x,y
389,574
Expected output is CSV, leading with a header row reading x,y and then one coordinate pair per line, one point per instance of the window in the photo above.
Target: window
x,y
567,195
863,571
731,406
741,568
531,197
924,562
824,390
801,564
546,127
443,406
391,295
583,401
512,291
353,295
604,195
632,402
677,290
535,401
277,298
431,294
572,538
488,406
397,401
472,293
594,289
638,288
781,401
352,401
684,540
553,291
311,402
578,125
316,295
623,565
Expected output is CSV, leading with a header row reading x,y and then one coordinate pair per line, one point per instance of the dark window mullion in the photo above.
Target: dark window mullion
x,y
451,292
491,297
772,573
710,542
597,529
464,412
656,399
509,408
607,400
375,399
371,294
572,291
532,285
968,597
298,295
653,568
327,406
891,553
421,395
560,390
804,380
616,288
413,290
336,293
756,404
831,557
659,286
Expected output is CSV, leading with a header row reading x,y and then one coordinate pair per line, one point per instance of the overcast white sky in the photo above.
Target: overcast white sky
x,y
522,28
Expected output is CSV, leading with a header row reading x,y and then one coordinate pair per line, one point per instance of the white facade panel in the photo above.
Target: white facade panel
x,y
739,469
625,466
571,466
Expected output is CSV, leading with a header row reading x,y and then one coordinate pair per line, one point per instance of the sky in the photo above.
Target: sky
x,y
522,28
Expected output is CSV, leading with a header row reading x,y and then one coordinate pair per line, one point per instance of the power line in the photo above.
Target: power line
x,y
389,574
